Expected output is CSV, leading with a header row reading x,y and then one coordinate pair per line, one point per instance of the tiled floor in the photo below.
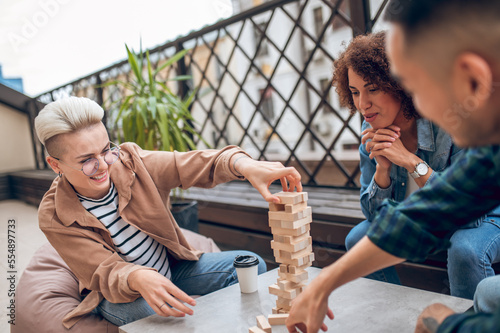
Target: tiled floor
x,y
28,238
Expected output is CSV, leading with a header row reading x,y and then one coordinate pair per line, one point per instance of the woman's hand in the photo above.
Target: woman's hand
x,y
380,139
157,290
261,174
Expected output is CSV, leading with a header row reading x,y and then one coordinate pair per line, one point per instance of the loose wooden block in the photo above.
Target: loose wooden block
x,y
296,278
263,324
283,268
255,329
295,208
290,232
290,197
296,246
277,319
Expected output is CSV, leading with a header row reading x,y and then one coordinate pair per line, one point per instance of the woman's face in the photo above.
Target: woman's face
x,y
78,147
377,107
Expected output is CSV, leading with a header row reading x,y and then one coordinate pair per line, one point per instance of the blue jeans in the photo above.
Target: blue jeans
x,y
387,274
487,296
212,272
472,252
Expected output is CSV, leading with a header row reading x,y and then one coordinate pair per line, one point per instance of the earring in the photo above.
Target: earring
x,y
60,174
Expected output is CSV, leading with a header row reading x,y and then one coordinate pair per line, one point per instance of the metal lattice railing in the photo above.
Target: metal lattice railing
x,y
264,83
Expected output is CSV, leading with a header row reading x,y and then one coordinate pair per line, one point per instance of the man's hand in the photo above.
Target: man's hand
x,y
261,174
432,316
160,293
309,310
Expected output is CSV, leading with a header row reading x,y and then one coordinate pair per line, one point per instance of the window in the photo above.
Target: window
x,y
263,49
267,106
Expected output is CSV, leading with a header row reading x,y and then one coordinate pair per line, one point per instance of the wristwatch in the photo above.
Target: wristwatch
x,y
421,169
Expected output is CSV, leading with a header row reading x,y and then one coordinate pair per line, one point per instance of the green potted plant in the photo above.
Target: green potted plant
x,y
155,118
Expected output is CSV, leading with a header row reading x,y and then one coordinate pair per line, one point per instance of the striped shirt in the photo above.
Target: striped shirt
x,y
130,243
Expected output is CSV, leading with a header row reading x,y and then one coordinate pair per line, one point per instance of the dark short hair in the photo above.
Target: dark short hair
x,y
416,15
367,58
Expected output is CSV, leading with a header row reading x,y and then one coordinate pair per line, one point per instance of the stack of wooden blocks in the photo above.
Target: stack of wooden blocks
x,y
292,245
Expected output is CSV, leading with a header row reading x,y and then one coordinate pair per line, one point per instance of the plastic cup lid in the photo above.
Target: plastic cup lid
x,y
245,261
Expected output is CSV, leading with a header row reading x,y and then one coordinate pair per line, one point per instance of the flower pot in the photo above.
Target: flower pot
x,y
185,213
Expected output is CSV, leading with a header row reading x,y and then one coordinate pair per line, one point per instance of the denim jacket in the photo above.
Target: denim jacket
x,y
435,147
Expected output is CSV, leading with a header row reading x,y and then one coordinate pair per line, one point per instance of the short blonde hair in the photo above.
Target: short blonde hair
x,y
66,115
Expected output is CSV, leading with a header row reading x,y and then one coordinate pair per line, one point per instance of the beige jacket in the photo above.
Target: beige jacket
x,y
143,180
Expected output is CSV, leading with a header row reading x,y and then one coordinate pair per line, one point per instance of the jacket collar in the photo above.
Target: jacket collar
x,y
425,133
68,206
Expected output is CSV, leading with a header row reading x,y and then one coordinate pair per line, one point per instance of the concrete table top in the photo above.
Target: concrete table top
x,y
362,305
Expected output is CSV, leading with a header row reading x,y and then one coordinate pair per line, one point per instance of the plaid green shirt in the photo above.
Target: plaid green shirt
x,y
423,223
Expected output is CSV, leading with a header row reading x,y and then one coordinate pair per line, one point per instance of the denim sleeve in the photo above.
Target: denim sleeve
x,y
423,223
372,195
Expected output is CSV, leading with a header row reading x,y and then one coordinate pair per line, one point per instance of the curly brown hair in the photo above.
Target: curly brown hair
x,y
366,56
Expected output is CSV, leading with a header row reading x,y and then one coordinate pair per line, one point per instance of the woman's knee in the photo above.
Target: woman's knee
x,y
356,234
487,296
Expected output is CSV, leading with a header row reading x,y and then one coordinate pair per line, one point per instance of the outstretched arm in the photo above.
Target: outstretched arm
x,y
309,308
261,174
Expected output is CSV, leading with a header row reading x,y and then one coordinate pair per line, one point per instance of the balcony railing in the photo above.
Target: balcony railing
x,y
264,79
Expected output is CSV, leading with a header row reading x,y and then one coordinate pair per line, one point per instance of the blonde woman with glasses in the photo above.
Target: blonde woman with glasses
x,y
107,215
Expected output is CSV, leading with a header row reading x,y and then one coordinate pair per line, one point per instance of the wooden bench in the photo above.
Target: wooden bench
x,y
235,216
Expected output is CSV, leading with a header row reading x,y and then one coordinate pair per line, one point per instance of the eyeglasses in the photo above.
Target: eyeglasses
x,y
90,166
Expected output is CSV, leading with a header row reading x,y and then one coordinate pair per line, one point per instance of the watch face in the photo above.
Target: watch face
x,y
422,169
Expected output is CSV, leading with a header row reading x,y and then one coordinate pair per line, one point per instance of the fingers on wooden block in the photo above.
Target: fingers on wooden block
x,y
263,324
255,329
277,319
291,198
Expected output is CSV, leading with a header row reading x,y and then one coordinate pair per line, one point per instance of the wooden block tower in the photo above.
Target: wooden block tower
x,y
292,245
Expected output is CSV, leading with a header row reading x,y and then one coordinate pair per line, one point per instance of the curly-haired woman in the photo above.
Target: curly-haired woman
x,y
399,153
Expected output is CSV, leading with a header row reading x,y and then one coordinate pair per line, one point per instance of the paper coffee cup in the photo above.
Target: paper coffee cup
x,y
247,271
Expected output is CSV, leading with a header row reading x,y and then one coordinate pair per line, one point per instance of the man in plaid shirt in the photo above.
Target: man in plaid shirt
x,y
446,53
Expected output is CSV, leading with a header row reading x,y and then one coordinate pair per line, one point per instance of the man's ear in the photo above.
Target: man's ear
x,y
473,80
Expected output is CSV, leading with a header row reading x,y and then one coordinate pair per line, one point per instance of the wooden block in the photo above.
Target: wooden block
x,y
296,278
263,324
283,238
284,268
293,254
290,232
297,269
283,311
295,262
255,329
305,196
294,247
284,303
290,197
290,224
276,310
295,208
284,216
276,207
277,319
